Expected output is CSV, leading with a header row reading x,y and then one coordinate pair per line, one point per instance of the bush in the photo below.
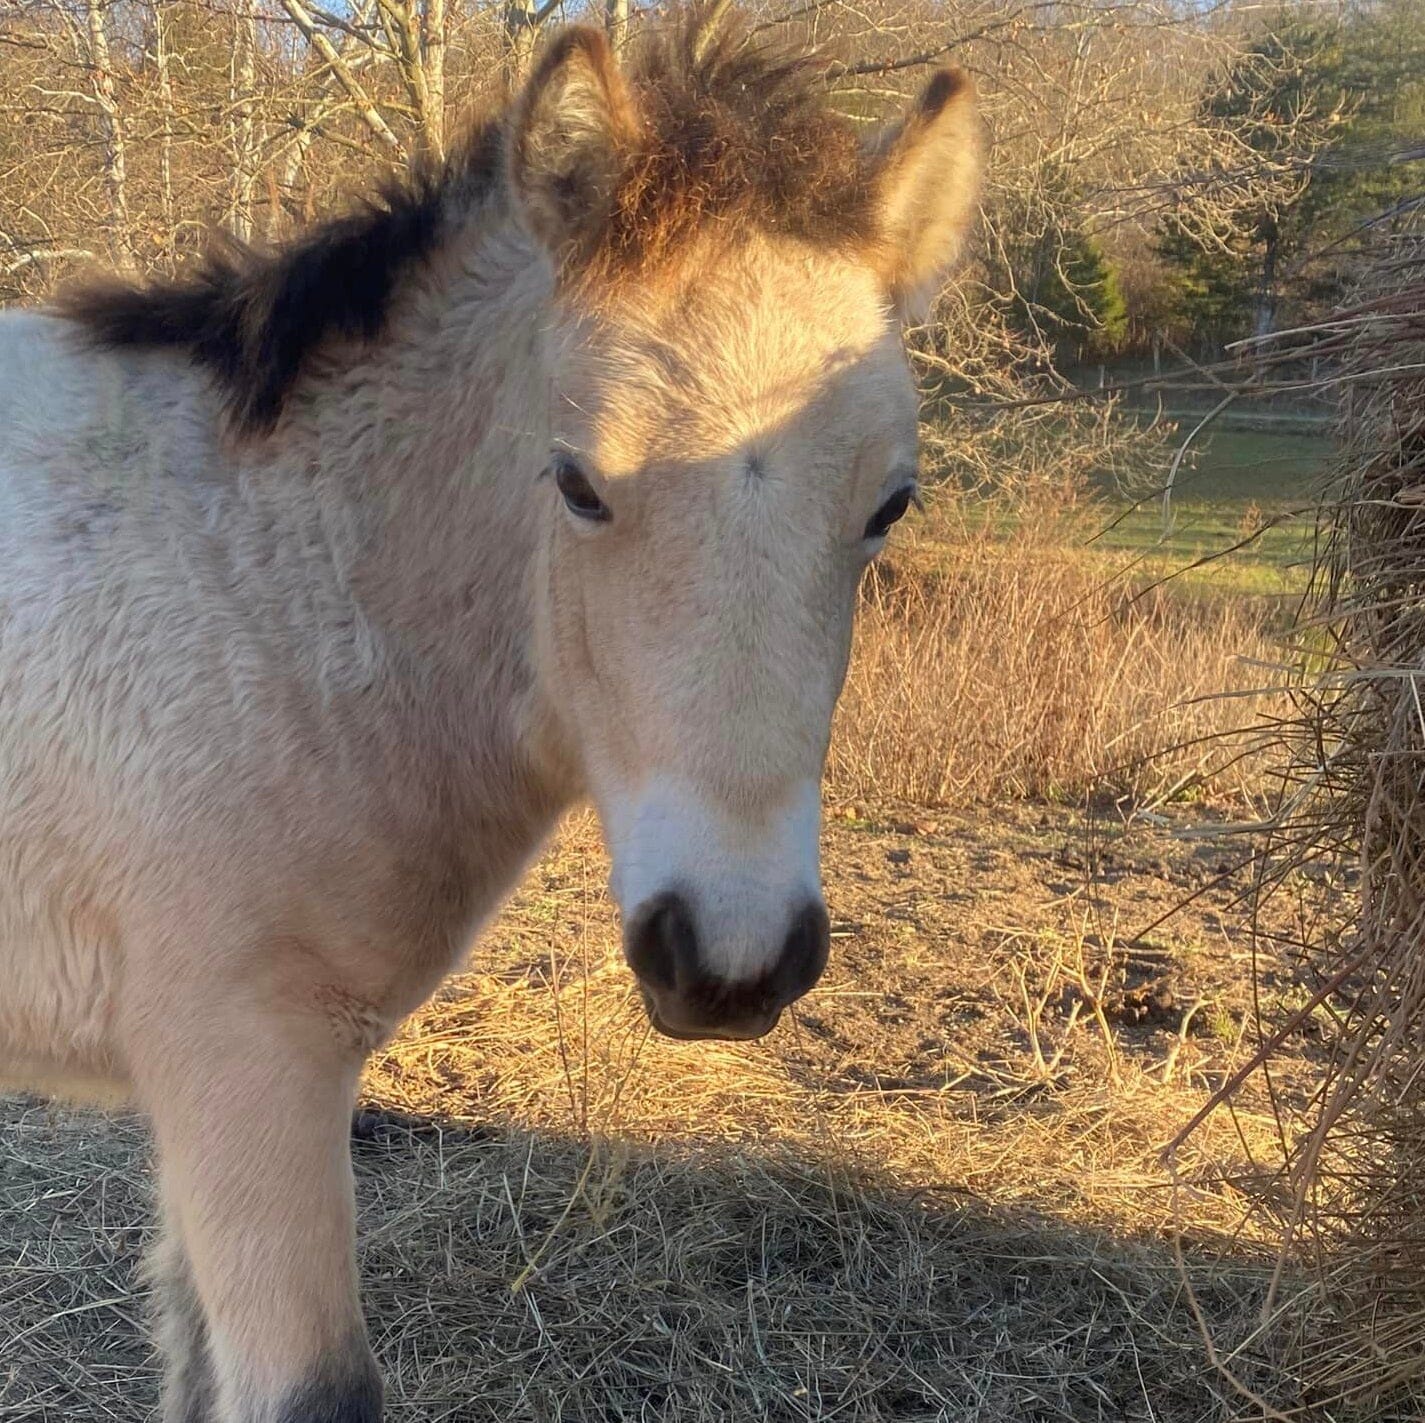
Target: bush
x,y
997,662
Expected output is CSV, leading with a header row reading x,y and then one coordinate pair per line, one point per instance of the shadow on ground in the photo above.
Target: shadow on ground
x,y
514,1276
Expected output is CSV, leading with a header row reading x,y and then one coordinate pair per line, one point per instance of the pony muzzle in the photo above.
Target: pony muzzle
x,y
685,995
724,923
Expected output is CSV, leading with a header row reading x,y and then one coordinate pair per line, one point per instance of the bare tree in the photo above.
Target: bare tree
x,y
243,117
316,104
344,73
433,25
161,59
408,26
524,23
1091,103
101,74
616,21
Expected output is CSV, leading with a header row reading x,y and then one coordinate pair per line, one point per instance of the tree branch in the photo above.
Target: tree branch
x,y
302,18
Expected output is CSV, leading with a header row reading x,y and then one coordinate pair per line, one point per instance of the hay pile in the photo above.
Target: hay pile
x,y
1357,798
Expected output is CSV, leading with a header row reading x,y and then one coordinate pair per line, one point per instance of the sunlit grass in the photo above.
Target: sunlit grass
x,y
1238,521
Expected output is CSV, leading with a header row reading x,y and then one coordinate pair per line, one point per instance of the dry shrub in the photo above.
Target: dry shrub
x,y
1009,661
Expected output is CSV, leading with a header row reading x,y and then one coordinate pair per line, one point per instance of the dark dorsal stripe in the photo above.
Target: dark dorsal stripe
x,y
253,318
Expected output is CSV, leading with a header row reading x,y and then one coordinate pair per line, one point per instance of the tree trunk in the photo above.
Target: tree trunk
x,y
616,22
244,119
433,54
165,133
407,31
1265,317
116,180
522,31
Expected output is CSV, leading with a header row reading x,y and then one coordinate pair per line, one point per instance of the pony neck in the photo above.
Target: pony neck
x,y
432,440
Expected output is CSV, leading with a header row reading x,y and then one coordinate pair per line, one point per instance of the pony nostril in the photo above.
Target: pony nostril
x,y
804,954
662,942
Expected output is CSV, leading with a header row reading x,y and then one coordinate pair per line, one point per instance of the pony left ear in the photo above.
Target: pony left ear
x,y
572,125
926,172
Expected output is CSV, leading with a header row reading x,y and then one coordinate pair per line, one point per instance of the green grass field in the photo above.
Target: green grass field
x,y
1239,521
1234,485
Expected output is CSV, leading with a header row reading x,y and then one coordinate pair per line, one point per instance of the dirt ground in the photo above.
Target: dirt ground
x,y
938,1191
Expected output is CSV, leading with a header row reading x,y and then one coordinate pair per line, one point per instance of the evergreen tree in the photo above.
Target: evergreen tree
x,y
1065,290
1321,107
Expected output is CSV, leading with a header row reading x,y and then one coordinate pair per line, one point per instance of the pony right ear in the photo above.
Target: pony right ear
x,y
572,126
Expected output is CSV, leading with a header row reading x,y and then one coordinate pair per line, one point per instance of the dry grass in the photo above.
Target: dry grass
x,y
995,664
559,1049
527,1277
936,1196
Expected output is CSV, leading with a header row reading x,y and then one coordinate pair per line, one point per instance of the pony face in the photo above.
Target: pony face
x,y
733,427
727,456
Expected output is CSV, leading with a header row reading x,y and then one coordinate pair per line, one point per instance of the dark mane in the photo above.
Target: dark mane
x,y
733,131
253,318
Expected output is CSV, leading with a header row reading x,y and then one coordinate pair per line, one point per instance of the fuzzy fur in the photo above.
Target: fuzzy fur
x,y
282,718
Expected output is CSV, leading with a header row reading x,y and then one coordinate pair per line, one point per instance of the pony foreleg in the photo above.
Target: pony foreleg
x,y
252,1130
182,1332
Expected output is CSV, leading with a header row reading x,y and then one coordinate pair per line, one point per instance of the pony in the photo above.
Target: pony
x,y
331,575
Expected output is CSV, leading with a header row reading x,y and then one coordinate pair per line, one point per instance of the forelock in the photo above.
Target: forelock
x,y
737,136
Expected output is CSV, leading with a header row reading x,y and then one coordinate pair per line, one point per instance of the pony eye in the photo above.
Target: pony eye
x,y
879,524
579,496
